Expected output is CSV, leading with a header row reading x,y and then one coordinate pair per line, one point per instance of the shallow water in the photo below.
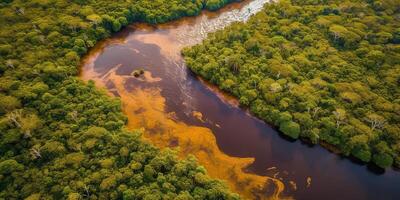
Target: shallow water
x,y
176,109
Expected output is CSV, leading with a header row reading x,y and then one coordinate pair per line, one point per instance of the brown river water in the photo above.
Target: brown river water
x,y
176,109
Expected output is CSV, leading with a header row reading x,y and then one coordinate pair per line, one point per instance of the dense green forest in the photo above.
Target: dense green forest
x,y
63,139
327,71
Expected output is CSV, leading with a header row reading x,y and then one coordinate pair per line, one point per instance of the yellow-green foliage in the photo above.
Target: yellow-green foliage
x,y
63,139
334,65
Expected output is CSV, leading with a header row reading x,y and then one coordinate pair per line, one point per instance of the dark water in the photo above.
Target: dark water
x,y
156,49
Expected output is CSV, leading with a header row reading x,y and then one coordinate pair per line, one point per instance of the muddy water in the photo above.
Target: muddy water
x,y
176,109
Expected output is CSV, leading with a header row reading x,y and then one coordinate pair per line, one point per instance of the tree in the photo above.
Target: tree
x,y
362,154
123,21
376,121
340,116
108,183
382,160
396,36
9,166
116,25
15,117
74,196
304,119
73,23
337,31
284,117
214,4
275,87
129,194
149,173
343,36
253,46
52,149
290,128
227,84
360,147
5,49
72,57
374,59
29,123
234,62
94,19
8,104
382,37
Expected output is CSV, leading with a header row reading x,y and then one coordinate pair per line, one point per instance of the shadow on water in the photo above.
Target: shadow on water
x,y
177,109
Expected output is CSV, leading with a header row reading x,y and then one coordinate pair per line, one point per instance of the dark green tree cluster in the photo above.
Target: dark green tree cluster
x,y
63,139
323,70
216,4
161,11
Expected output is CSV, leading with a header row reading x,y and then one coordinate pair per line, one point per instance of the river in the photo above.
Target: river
x,y
176,109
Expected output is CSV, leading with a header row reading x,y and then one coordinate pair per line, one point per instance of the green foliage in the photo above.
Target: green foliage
x,y
8,103
361,154
9,166
63,139
291,129
162,11
216,4
383,160
327,68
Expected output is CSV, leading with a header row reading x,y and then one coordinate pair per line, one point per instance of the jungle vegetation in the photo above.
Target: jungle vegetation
x,y
327,71
61,138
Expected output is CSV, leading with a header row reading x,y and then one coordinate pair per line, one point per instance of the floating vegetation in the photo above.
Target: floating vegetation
x,y
137,72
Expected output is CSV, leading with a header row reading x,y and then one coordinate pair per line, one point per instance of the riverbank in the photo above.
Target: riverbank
x,y
145,106
53,125
179,98
267,67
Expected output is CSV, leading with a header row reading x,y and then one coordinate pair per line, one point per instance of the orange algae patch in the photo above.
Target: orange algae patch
x,y
167,44
145,109
198,115
148,77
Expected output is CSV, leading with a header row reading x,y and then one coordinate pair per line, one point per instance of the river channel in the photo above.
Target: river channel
x,y
176,109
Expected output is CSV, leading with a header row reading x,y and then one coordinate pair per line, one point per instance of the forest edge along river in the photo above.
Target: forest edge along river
x,y
142,65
